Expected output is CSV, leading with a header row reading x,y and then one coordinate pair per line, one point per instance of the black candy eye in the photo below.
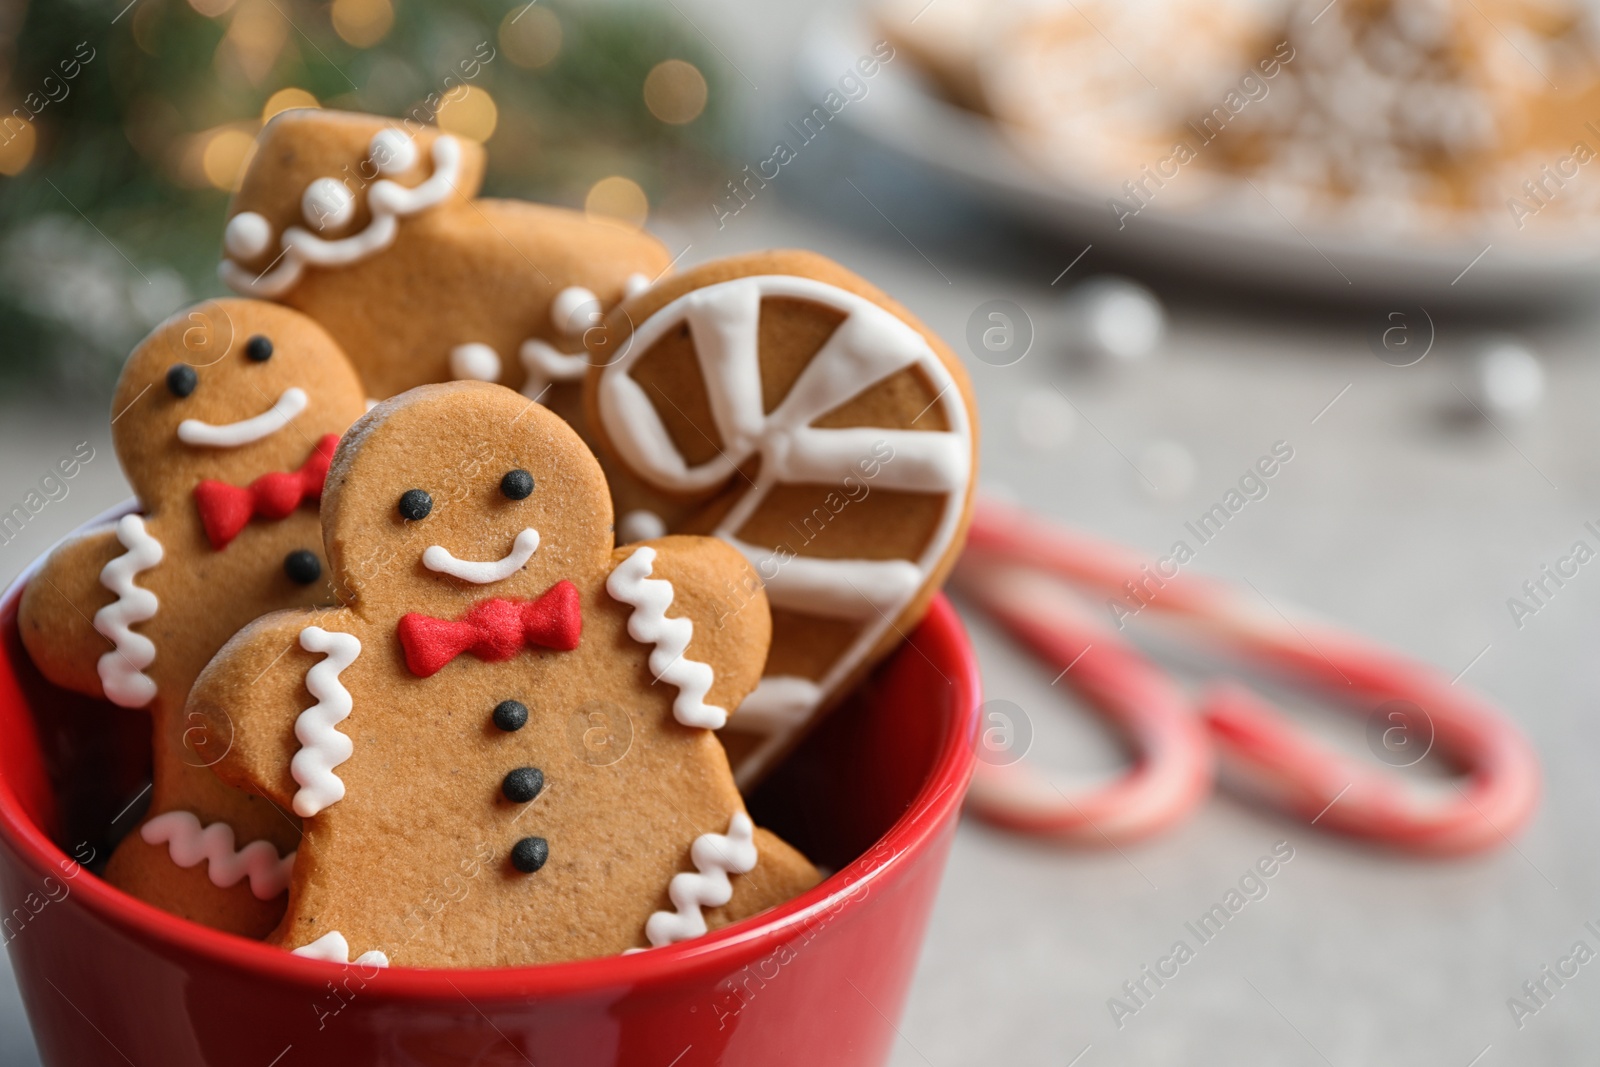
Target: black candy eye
x,y
302,566
516,485
529,854
523,784
181,380
415,504
258,349
510,715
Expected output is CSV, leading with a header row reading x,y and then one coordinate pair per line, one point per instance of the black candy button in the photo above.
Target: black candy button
x,y
516,485
415,504
529,854
258,349
181,380
511,715
303,566
523,784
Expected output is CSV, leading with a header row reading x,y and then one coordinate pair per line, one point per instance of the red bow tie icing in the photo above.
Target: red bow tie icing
x,y
226,509
493,630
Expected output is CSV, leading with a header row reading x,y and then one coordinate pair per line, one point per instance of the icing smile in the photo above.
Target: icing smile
x,y
439,559
327,201
245,431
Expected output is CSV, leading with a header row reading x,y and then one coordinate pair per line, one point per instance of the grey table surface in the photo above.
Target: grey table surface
x,y
1395,518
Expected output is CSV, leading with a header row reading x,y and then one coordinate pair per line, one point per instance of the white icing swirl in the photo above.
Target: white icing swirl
x,y
226,866
333,948
650,598
122,669
388,201
715,857
322,748
246,431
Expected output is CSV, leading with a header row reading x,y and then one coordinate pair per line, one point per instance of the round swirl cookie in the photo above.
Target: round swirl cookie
x,y
792,410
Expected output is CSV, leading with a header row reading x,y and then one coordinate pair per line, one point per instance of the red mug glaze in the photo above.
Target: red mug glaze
x,y
874,793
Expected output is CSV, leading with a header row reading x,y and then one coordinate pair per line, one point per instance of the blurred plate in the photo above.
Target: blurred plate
x,y
1254,246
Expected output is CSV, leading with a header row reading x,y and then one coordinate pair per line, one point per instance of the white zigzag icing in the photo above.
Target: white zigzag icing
x,y
715,857
650,598
226,866
334,948
322,747
122,669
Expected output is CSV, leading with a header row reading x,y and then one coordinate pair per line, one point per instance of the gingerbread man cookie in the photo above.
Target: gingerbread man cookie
x,y
226,418
371,226
502,745
809,421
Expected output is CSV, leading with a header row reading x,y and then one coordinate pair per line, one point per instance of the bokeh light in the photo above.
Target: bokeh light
x,y
362,23
531,36
469,112
617,199
224,157
208,8
16,146
284,99
675,92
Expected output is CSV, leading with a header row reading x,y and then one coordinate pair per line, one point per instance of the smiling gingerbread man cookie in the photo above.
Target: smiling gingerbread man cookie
x,y
502,744
226,418
371,226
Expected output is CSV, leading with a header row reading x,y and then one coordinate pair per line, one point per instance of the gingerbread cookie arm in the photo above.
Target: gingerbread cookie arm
x,y
699,603
781,873
58,611
263,689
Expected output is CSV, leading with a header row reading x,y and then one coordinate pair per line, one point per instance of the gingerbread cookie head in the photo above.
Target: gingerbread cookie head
x,y
331,188
227,391
451,490
818,428
437,728
370,226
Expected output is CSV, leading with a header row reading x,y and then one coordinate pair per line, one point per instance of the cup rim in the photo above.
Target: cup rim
x,y
723,950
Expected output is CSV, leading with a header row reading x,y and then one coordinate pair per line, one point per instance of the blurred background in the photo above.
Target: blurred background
x,y
1165,236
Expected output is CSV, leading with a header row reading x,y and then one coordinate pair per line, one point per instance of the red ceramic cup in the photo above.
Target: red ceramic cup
x,y
873,794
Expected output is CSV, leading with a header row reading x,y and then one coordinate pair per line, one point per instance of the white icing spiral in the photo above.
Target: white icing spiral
x,y
122,669
333,948
650,598
715,857
322,748
226,866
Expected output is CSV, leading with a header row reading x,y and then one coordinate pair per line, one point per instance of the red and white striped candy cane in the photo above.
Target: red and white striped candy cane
x,y
1255,743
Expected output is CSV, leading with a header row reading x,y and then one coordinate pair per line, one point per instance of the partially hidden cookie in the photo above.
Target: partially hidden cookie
x,y
502,744
372,226
797,413
224,420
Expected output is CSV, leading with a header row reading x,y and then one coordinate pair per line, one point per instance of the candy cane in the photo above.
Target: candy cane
x,y
1172,769
1258,746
